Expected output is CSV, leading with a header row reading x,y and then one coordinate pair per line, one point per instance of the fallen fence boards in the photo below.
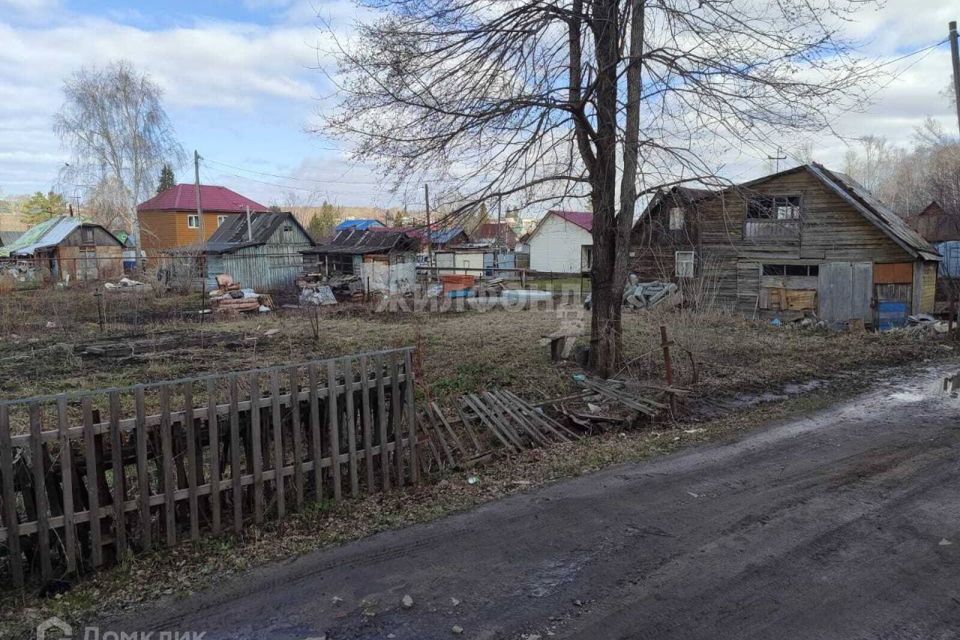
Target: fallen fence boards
x,y
206,446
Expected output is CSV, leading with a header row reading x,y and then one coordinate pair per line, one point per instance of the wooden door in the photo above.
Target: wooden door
x,y
844,291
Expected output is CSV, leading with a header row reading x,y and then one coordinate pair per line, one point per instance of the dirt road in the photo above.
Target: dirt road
x,y
843,524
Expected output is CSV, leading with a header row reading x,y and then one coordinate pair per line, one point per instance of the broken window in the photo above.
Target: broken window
x,y
676,219
773,217
684,264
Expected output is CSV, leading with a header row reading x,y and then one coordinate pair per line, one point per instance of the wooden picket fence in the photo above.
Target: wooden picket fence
x,y
87,478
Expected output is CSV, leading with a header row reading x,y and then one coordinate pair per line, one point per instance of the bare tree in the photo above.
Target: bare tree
x,y
587,101
119,136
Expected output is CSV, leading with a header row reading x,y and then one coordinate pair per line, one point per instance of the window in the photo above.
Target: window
x,y
676,219
774,208
221,220
773,217
791,270
586,258
684,264
86,235
193,221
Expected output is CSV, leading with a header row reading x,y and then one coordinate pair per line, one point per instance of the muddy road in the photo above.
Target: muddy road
x,y
842,524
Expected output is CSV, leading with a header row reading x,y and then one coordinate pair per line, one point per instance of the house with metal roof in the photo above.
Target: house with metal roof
x,y
385,260
260,251
361,224
807,240
68,249
562,242
170,219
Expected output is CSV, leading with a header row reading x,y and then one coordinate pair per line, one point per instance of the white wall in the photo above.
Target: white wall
x,y
556,246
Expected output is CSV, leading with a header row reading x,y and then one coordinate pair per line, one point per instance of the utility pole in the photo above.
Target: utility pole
x,y
426,197
955,55
196,169
777,158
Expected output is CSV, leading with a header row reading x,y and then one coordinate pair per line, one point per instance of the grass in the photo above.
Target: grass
x,y
460,353
185,569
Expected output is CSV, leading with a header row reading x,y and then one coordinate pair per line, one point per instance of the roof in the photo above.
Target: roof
x,y
492,230
183,197
876,212
361,224
46,234
232,235
9,237
685,195
583,219
437,236
363,241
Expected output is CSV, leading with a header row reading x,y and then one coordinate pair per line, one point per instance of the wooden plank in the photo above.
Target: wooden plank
x,y
277,425
395,417
255,435
382,423
40,492
143,476
119,479
315,432
169,483
437,433
470,431
449,429
66,482
235,471
213,432
93,493
488,423
334,428
411,416
295,427
502,425
348,391
10,519
367,422
189,422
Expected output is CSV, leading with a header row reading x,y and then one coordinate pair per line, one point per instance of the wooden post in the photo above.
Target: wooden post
x,y
668,366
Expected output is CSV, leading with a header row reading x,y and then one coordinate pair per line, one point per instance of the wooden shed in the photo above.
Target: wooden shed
x,y
805,240
384,260
260,252
69,249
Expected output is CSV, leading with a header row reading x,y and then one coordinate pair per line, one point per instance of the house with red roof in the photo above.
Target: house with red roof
x,y
562,242
170,219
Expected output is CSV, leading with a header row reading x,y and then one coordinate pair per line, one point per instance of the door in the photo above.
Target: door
x,y
844,290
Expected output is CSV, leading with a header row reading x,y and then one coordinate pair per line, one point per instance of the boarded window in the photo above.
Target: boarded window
x,y
894,273
193,221
684,264
87,235
676,219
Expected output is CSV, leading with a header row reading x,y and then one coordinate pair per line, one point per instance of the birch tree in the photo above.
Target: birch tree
x,y
591,102
113,124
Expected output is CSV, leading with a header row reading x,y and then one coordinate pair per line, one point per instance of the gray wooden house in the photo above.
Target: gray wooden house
x,y
799,241
260,251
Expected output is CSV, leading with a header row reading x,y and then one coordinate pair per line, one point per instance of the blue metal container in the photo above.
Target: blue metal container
x,y
892,314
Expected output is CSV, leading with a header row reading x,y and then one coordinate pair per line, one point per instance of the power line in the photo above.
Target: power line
x,y
293,178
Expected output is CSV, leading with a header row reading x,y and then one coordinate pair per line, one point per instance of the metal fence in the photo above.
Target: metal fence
x,y
87,478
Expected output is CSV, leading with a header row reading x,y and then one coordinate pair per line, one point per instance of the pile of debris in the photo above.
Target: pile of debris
x,y
646,295
498,421
229,297
318,289
123,283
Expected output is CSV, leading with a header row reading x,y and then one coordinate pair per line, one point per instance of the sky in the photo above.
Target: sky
x,y
242,85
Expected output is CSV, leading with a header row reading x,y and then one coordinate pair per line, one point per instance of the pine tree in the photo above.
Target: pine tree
x,y
167,179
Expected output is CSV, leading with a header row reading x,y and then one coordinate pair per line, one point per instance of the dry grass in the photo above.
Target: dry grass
x,y
187,568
